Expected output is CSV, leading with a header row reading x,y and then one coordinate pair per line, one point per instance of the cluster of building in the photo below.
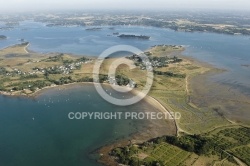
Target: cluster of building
x,y
113,81
153,62
19,72
63,69
145,63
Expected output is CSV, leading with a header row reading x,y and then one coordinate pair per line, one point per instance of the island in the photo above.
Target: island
x,y
93,29
134,37
2,37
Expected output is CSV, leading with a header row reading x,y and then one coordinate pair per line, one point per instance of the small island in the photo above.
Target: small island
x,y
2,37
93,29
134,37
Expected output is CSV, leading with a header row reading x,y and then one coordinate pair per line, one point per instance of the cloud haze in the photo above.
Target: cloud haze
x,y
22,5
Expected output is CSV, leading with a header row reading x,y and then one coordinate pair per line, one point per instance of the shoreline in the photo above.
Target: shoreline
x,y
137,137
26,48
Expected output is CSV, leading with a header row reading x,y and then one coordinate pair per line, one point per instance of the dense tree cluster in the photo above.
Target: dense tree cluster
x,y
155,61
169,74
127,155
3,71
32,85
63,80
54,58
122,80
85,79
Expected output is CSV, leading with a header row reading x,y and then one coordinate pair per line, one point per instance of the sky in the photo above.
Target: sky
x,y
34,5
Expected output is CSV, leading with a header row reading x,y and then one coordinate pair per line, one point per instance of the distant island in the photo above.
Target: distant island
x,y
93,29
2,37
184,22
134,36
245,65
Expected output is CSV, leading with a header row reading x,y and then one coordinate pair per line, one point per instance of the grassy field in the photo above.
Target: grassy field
x,y
168,154
235,140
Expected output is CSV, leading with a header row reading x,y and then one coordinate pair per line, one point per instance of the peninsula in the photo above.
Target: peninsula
x,y
199,130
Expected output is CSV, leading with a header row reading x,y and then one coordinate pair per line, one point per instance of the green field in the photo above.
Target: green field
x,y
169,155
219,147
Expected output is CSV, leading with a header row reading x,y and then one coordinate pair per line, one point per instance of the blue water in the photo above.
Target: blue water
x,y
223,51
38,132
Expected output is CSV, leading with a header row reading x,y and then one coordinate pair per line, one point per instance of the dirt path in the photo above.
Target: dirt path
x,y
25,48
239,161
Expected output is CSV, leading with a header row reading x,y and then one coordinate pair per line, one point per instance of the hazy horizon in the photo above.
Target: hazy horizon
x,y
31,5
